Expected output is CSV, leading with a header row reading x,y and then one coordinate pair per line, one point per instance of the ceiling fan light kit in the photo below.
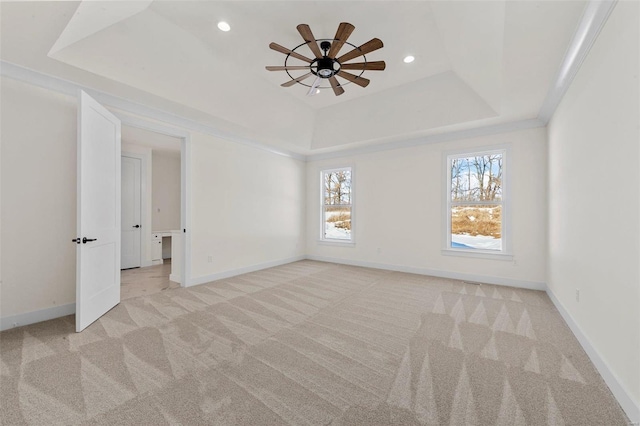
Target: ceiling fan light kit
x,y
325,65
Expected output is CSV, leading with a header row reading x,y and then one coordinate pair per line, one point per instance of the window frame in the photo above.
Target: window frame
x,y
335,241
505,253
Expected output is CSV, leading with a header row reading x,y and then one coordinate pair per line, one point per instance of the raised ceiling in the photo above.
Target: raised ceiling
x,y
477,62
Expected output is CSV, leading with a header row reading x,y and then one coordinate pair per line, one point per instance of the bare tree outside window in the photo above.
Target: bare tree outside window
x,y
476,201
337,204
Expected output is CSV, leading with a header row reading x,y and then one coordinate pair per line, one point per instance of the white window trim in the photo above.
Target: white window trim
x,y
506,252
333,241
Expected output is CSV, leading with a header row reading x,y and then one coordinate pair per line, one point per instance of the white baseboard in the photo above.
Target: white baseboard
x,y
487,279
175,278
27,318
611,379
244,270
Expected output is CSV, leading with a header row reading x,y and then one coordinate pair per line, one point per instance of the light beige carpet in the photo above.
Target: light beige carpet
x,y
309,343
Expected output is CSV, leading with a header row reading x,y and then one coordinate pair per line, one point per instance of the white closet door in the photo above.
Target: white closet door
x,y
131,212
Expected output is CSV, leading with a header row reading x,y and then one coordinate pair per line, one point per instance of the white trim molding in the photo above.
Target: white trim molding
x,y
485,279
622,395
478,254
67,87
244,270
505,252
60,85
593,19
185,184
33,317
323,207
494,129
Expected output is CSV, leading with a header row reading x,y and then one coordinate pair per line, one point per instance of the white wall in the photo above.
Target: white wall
x,y
166,191
594,199
399,209
247,204
38,199
247,207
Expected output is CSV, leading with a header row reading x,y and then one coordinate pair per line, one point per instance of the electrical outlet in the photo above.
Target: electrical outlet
x,y
210,259
577,295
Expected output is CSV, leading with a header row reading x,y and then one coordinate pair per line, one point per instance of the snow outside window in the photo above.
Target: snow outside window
x,y
337,208
475,202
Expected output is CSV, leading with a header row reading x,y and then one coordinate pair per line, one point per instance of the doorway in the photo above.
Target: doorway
x,y
152,174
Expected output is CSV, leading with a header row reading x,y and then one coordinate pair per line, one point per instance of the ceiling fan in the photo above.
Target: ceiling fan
x,y
325,65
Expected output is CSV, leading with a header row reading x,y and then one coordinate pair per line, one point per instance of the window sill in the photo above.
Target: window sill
x,y
336,243
479,254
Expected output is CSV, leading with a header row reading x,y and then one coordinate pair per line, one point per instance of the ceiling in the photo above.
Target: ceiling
x,y
147,138
477,63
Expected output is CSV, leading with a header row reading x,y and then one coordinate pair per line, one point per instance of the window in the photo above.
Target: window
x,y
337,207
475,202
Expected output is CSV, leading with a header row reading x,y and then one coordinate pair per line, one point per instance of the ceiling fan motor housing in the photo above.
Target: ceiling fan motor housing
x,y
326,67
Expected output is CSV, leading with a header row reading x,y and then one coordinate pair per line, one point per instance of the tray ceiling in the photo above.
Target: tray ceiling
x,y
477,62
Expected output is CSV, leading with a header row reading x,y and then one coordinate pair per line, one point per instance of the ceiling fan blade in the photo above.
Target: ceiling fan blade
x,y
307,35
296,80
370,46
312,90
365,66
282,49
335,85
360,81
344,31
287,68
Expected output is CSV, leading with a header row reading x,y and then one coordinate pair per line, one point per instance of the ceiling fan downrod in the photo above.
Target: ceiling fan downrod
x,y
325,66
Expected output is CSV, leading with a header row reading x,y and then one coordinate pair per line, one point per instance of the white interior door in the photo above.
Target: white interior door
x,y
131,212
98,238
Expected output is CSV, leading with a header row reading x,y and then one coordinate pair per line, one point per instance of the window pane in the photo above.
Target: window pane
x,y
337,187
476,227
337,223
476,178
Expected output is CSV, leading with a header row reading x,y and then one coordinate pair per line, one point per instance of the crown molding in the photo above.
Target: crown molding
x,y
594,17
60,85
494,129
66,87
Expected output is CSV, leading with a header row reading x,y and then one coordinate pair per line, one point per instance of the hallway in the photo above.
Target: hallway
x,y
145,281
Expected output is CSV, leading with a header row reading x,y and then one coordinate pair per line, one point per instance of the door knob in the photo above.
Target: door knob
x,y
85,240
136,226
76,240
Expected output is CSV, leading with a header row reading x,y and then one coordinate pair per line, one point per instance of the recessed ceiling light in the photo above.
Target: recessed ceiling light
x,y
408,59
223,26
